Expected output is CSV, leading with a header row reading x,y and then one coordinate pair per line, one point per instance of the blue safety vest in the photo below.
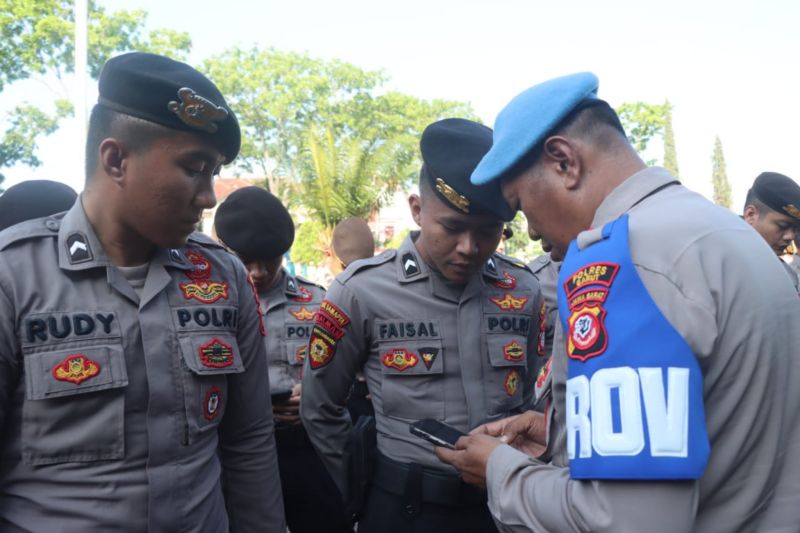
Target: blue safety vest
x,y
634,396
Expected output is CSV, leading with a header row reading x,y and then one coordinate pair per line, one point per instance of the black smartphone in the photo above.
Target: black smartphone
x,y
281,397
436,432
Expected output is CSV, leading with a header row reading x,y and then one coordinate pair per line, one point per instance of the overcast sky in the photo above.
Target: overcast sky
x,y
728,67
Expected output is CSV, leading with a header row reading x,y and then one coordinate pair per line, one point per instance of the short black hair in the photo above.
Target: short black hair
x,y
753,200
137,134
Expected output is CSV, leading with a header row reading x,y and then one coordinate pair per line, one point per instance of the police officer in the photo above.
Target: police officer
x,y
675,405
443,328
133,392
255,225
34,199
772,207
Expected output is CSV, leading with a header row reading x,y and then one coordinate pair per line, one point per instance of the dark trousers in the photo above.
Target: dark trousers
x,y
420,501
311,500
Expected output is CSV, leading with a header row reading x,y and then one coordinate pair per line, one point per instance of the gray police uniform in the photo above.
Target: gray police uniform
x,y
699,268
288,308
125,410
546,271
428,349
792,275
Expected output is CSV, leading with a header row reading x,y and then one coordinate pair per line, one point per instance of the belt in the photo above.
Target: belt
x,y
422,484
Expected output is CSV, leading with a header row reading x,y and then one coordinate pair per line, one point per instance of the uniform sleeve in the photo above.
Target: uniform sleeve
x,y
9,360
337,349
246,435
535,361
527,495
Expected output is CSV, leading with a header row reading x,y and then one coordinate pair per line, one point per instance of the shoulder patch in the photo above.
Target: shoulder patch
x,y
539,263
364,264
306,281
204,240
30,229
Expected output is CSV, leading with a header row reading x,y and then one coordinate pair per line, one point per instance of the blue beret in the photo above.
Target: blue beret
x,y
255,224
451,148
528,118
170,93
778,192
34,199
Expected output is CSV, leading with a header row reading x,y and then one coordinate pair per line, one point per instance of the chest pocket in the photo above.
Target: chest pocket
x,y
508,357
207,361
297,334
75,405
412,385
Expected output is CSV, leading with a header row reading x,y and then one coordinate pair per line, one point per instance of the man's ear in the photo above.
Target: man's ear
x,y
415,203
750,214
562,155
113,159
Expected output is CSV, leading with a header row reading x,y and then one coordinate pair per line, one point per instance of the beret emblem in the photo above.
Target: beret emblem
x,y
452,196
792,210
196,111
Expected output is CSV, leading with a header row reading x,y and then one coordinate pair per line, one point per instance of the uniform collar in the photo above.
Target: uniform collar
x,y
630,192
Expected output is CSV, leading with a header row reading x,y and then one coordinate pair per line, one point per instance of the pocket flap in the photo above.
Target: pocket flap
x,y
212,354
411,358
296,352
507,350
74,371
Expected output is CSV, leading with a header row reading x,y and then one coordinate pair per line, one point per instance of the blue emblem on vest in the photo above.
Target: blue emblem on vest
x,y
634,399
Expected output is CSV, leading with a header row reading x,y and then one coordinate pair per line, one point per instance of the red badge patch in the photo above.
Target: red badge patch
x,y
513,351
400,359
216,354
542,377
428,356
540,344
508,282
303,314
586,336
205,291
321,348
597,296
305,296
76,368
334,312
594,274
509,303
300,354
202,266
511,383
212,403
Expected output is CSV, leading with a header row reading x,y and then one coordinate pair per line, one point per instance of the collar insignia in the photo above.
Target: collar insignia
x,y
457,200
410,267
491,266
78,248
196,111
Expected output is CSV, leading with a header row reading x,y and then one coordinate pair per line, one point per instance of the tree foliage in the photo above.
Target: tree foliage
x,y
642,122
719,177
670,152
37,42
520,245
324,133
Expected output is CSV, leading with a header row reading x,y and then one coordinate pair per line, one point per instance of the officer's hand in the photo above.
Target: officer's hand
x,y
288,412
470,456
526,432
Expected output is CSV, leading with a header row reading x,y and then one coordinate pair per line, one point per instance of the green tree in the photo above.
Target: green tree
x,y
37,42
719,177
308,245
642,122
670,153
520,244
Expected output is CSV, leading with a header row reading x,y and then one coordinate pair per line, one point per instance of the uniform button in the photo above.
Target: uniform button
x,y
51,224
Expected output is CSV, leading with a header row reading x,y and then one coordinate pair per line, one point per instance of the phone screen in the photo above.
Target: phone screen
x,y
436,432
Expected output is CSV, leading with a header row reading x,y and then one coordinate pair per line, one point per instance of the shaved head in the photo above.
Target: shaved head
x,y
352,239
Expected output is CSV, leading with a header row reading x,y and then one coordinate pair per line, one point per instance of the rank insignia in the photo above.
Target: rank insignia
x,y
513,351
196,111
320,348
594,274
491,266
508,282
212,403
300,354
400,359
303,314
511,383
78,248
205,291
216,354
509,303
201,267
410,267
428,356
76,369
586,336
540,343
304,297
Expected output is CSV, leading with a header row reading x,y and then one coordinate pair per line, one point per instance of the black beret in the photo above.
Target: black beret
x,y
254,223
34,199
170,93
778,192
451,149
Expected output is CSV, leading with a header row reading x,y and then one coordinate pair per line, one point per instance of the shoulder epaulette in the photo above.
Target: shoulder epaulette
x,y
30,229
364,264
513,261
204,240
306,281
539,263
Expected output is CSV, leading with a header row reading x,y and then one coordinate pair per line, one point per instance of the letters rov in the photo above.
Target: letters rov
x,y
590,412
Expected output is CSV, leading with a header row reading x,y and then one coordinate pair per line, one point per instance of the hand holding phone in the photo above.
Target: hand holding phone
x,y
436,432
